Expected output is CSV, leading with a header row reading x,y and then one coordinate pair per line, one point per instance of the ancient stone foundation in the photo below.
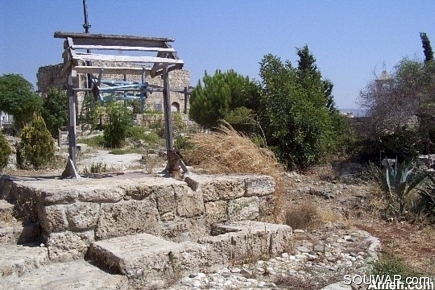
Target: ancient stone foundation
x,y
150,228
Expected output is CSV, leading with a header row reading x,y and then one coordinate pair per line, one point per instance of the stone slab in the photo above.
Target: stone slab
x,y
146,259
6,210
247,241
15,232
72,275
17,260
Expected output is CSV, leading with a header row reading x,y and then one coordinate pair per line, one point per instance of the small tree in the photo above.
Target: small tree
x,y
37,143
427,48
18,98
5,150
55,110
216,96
120,120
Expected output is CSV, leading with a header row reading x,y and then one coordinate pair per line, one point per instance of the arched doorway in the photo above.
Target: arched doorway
x,y
175,107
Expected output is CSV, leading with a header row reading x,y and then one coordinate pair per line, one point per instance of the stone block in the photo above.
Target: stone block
x,y
53,218
82,215
165,198
101,195
19,260
70,275
247,241
59,196
146,259
259,185
266,206
67,246
127,217
140,192
244,208
223,189
216,211
189,203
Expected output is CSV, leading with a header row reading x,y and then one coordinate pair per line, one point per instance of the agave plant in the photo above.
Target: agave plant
x,y
398,181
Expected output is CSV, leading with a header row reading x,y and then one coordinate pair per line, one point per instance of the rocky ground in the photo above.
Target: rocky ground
x,y
346,235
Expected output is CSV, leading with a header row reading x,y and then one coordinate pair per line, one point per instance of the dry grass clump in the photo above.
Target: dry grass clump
x,y
303,216
228,151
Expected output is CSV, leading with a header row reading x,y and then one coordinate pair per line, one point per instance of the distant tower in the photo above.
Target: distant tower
x,y
384,80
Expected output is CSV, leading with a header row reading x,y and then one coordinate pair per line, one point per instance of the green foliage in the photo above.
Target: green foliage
x,y
5,150
55,110
214,97
294,113
397,182
120,120
390,266
138,133
426,202
98,167
91,114
403,144
37,143
94,142
182,142
427,48
18,98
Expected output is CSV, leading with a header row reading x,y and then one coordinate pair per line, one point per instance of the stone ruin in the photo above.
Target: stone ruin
x,y
142,229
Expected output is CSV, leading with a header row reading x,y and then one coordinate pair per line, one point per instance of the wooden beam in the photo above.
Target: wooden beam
x,y
111,70
121,58
126,48
111,40
75,35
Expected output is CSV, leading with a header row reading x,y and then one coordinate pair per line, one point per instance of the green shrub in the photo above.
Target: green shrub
x,y
37,143
120,120
5,150
136,133
94,142
390,266
397,182
182,142
98,167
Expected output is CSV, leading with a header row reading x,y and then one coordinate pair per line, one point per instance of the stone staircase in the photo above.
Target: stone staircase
x,y
47,249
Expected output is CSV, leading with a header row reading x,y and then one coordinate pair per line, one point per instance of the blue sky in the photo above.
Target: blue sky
x,y
350,39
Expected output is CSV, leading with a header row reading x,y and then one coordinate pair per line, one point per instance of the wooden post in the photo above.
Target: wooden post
x,y
71,122
167,109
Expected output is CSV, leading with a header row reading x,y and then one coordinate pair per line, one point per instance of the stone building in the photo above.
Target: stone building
x,y
51,76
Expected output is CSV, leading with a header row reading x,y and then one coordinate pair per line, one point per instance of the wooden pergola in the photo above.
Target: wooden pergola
x,y
150,57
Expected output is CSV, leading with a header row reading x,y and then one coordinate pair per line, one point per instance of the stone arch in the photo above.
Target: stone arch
x,y
175,107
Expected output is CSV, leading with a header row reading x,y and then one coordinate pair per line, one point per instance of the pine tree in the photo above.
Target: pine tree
x,y
37,143
427,48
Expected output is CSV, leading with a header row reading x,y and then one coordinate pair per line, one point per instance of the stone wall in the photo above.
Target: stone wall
x,y
51,76
74,213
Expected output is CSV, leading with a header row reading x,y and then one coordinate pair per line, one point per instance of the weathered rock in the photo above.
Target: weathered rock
x,y
72,275
241,242
189,203
244,208
16,233
82,215
53,218
127,217
101,195
222,189
216,211
67,246
17,260
259,185
165,198
146,259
